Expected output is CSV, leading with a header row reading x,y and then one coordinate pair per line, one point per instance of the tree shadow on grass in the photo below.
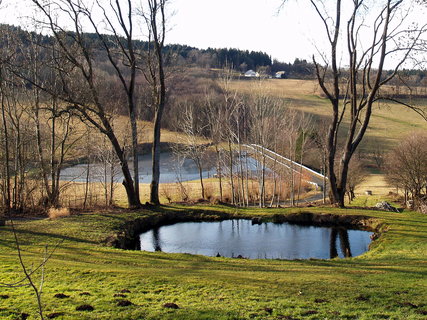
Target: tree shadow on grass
x,y
25,232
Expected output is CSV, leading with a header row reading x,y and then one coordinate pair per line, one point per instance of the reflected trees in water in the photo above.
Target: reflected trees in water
x,y
342,234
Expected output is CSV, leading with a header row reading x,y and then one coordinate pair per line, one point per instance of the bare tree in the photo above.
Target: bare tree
x,y
215,115
291,134
107,171
232,104
406,165
304,139
190,146
79,53
154,15
6,53
320,142
266,114
356,176
372,36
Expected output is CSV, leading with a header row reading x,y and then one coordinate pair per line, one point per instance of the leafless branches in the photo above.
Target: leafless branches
x,y
373,37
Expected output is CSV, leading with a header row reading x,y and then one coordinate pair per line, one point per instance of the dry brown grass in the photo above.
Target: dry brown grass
x,y
375,183
55,213
73,195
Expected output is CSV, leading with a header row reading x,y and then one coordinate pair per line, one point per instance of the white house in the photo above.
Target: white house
x,y
251,74
280,75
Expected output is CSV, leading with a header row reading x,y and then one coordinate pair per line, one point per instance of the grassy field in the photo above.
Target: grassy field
x,y
388,282
389,122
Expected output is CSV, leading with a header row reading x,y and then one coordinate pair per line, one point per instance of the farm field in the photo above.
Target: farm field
x,y
389,123
387,282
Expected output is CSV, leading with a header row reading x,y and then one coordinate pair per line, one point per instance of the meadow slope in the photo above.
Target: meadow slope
x,y
388,282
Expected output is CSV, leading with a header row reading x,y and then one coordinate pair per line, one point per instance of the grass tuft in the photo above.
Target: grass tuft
x,y
55,213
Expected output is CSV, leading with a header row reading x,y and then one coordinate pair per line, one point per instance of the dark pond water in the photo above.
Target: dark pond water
x,y
233,238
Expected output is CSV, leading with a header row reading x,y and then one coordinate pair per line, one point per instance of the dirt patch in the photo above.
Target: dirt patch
x,y
124,303
171,305
85,307
54,315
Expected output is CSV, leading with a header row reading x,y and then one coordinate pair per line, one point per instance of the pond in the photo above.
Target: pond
x,y
240,238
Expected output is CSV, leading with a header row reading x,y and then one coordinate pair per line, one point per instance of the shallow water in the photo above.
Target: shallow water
x,y
233,238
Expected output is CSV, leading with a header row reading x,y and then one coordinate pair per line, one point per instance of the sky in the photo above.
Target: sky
x,y
244,24
295,31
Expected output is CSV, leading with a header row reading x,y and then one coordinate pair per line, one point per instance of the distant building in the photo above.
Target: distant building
x,y
280,75
251,74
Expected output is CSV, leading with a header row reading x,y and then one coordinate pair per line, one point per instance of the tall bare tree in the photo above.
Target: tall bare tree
x,y
373,34
190,146
154,14
78,52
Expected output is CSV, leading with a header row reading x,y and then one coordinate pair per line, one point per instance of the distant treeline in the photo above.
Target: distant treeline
x,y
183,55
239,60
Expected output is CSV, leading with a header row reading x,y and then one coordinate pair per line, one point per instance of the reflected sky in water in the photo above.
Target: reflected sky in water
x,y
231,238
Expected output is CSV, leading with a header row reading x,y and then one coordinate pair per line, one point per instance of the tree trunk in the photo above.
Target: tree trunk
x,y
134,130
133,200
6,156
231,173
199,166
154,187
219,170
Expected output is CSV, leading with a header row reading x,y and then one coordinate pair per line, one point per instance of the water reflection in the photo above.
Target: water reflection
x,y
342,233
233,238
156,240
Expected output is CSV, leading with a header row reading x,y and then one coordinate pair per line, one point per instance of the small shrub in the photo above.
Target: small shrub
x,y
54,213
209,192
166,192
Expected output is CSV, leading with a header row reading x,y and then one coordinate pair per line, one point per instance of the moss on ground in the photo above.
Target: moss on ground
x,y
388,282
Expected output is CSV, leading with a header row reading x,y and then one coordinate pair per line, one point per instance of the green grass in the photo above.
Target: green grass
x,y
388,282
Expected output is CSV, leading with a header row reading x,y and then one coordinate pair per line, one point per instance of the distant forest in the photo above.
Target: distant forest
x,y
216,58
220,58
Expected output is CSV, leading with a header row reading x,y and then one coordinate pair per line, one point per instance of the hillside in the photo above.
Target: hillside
x,y
389,124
